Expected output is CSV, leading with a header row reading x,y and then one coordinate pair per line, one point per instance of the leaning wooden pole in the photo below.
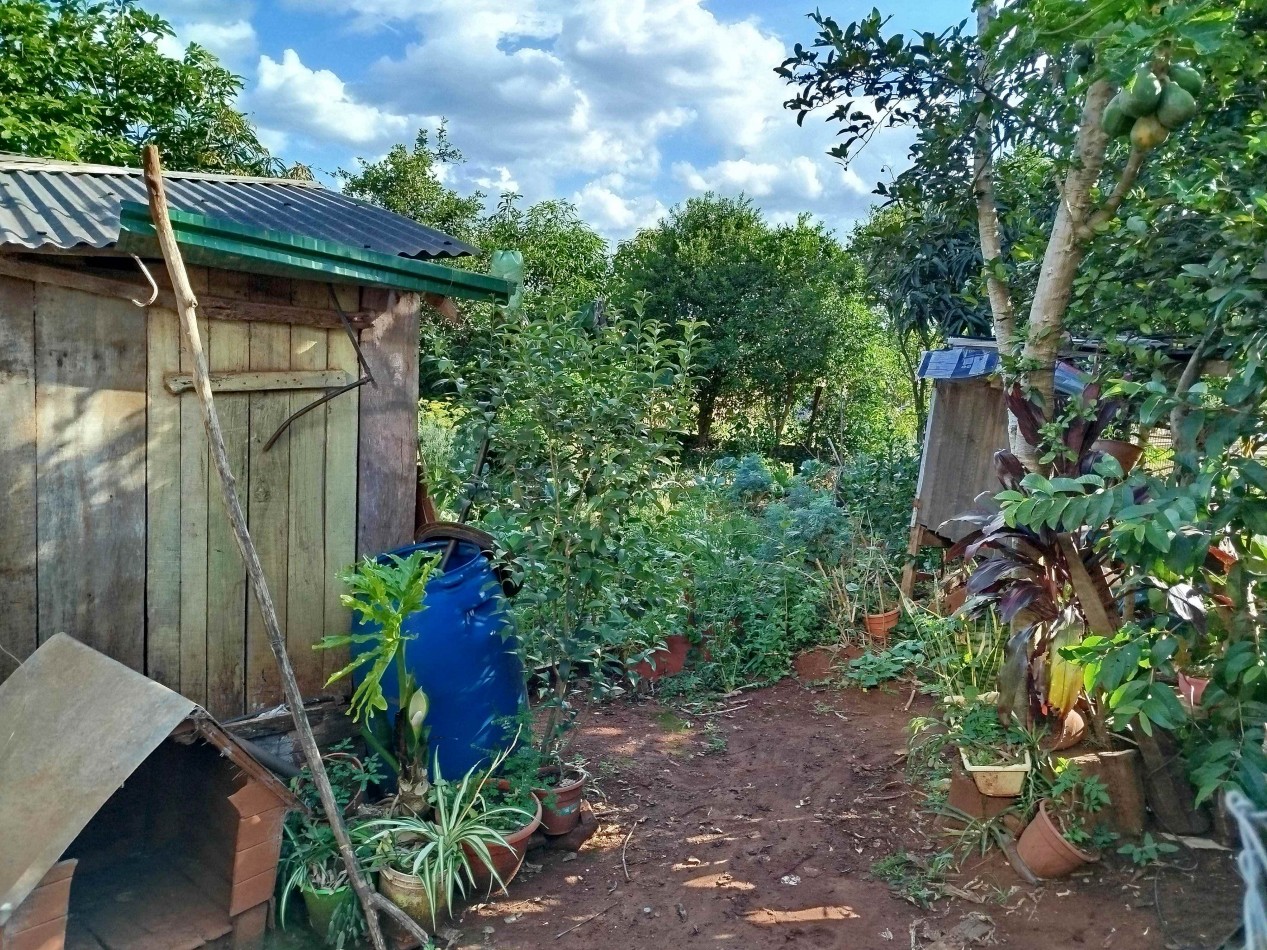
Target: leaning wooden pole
x,y
187,305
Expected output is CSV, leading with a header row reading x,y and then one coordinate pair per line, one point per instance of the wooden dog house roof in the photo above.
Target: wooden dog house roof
x,y
77,724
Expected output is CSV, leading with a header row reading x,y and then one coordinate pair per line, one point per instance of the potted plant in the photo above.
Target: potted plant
x,y
385,591
876,592
311,864
424,864
1036,560
540,767
996,756
1060,839
1121,443
516,814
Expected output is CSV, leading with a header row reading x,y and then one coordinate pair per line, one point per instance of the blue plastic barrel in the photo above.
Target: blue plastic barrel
x,y
465,658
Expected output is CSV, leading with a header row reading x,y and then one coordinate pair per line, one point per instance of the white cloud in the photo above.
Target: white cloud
x,y
615,215
316,103
626,106
226,30
796,179
499,183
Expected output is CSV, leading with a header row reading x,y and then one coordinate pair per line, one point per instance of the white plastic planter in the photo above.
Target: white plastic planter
x,y
998,781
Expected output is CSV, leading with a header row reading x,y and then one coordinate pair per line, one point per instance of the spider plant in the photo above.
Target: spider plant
x,y
439,851
311,864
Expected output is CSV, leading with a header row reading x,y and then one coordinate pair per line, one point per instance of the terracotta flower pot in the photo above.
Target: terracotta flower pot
x,y
1192,688
667,662
1045,850
1072,731
879,626
407,893
1126,453
506,859
321,905
561,804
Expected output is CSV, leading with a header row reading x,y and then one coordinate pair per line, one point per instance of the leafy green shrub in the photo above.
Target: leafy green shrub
x,y
752,479
583,420
873,668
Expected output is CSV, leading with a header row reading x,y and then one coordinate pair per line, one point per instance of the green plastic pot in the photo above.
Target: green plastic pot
x,y
321,904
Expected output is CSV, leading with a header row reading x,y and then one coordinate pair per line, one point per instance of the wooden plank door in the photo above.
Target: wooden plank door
x,y
300,499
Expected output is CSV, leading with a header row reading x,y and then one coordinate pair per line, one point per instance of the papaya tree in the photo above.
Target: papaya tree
x,y
1097,88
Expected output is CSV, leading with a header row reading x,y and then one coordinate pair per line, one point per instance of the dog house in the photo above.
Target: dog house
x,y
130,818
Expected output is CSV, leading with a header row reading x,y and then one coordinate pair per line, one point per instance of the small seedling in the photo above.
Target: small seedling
x,y
714,740
914,878
1147,851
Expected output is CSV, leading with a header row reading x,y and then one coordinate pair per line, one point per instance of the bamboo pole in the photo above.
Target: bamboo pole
x,y
186,306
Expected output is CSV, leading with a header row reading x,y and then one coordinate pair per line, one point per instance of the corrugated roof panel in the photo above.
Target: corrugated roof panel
x,y
958,362
47,204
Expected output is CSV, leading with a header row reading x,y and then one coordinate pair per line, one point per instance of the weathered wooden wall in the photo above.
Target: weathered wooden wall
x,y
967,425
113,529
389,428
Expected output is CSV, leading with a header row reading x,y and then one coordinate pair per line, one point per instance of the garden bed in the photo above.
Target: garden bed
x,y
721,813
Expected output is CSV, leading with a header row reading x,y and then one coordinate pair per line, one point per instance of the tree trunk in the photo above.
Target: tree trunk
x,y
1066,247
707,406
1002,312
815,405
783,410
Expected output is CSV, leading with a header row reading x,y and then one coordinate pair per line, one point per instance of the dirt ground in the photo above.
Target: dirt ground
x,y
758,826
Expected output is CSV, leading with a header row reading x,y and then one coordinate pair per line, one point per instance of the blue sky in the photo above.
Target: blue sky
x,y
624,107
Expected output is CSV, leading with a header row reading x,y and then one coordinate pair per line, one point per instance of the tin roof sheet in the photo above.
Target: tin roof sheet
x,y
50,204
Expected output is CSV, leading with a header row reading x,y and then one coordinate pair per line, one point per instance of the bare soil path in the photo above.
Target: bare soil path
x,y
759,827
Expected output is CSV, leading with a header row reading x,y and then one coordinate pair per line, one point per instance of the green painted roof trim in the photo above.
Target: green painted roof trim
x,y
215,242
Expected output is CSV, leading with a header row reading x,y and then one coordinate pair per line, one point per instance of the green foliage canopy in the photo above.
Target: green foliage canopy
x,y
87,82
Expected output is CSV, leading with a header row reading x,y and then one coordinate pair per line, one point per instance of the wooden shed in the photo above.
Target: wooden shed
x,y
966,426
113,529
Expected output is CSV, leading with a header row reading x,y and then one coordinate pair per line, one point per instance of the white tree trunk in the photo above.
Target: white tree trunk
x,y
1066,246
1002,312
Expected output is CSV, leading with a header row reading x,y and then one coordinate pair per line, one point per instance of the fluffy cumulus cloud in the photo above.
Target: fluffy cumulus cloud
x,y
316,105
623,106
224,28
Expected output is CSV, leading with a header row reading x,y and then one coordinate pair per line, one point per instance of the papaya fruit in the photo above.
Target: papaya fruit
x,y
1177,107
1147,133
1142,93
1115,121
1190,80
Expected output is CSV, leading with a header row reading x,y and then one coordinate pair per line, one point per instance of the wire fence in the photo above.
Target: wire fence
x,y
1253,865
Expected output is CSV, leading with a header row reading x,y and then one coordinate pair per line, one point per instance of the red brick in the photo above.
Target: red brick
x,y
254,798
47,902
263,857
249,927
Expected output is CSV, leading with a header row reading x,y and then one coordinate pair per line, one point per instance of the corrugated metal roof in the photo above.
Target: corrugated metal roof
x,y
973,361
50,204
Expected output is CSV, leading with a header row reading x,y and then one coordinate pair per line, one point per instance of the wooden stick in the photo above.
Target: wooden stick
x,y
624,846
722,712
186,305
564,933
